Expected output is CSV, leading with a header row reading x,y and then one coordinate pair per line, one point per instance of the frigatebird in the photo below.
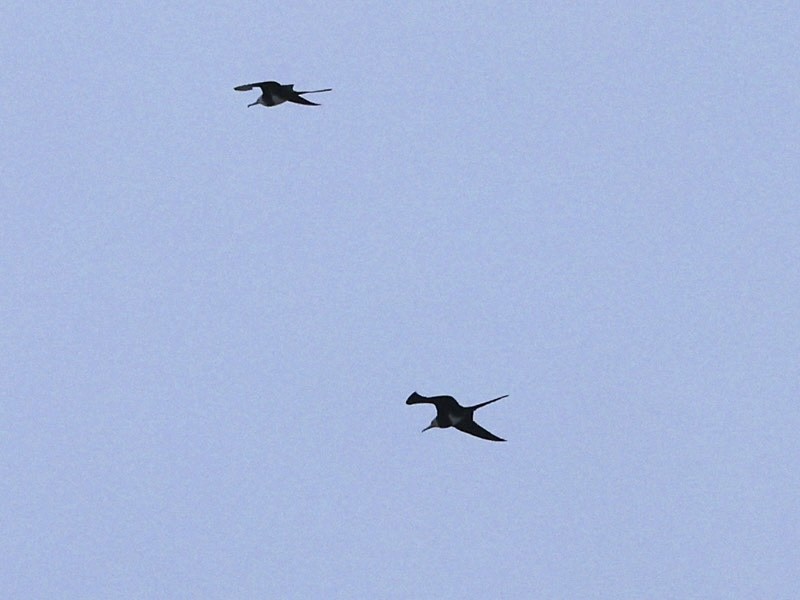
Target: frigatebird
x,y
274,93
449,413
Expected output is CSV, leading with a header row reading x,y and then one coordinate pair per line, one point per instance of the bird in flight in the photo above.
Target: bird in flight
x,y
274,93
450,413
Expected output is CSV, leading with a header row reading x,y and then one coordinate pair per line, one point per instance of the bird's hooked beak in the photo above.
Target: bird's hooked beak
x,y
253,104
431,426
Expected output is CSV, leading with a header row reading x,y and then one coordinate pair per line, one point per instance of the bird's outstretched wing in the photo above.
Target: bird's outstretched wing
x,y
440,402
482,404
246,87
473,428
445,405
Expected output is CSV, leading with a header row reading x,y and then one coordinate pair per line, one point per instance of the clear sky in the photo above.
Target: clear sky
x,y
211,315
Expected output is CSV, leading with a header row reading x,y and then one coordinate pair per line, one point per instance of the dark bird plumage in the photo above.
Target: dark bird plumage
x,y
274,93
449,413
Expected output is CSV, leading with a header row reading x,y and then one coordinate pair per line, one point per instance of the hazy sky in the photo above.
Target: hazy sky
x,y
212,315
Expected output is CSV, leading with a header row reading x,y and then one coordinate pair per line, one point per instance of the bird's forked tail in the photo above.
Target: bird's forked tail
x,y
315,91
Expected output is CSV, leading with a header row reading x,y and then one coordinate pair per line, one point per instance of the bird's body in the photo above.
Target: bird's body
x,y
274,93
449,413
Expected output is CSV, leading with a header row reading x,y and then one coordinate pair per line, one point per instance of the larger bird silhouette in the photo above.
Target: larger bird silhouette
x,y
450,413
274,93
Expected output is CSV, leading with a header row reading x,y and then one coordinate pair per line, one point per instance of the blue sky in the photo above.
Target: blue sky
x,y
213,314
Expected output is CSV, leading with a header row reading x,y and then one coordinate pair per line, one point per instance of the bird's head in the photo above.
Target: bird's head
x,y
253,104
433,424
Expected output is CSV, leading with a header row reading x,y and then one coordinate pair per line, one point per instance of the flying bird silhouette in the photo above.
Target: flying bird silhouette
x,y
274,93
450,413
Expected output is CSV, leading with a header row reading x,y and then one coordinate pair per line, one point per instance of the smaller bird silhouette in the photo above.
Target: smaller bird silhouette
x,y
449,413
274,93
